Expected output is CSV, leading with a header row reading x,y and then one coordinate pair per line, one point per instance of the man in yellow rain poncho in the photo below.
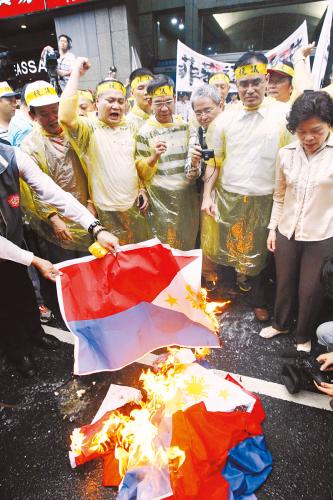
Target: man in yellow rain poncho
x,y
106,147
161,152
59,238
141,111
246,139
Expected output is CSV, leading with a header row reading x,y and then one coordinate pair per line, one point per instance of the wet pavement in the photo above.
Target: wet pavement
x,y
38,415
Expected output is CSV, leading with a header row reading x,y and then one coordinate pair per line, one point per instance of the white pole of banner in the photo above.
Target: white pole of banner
x,y
322,51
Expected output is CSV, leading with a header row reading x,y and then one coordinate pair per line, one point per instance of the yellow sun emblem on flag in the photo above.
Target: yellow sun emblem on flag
x,y
196,388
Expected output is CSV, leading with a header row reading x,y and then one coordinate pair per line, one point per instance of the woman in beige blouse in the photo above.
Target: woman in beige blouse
x,y
301,225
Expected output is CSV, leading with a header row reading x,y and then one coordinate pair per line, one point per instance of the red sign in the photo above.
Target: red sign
x,y
11,8
52,4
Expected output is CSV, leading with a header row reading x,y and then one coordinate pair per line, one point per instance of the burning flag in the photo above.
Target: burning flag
x,y
125,305
193,435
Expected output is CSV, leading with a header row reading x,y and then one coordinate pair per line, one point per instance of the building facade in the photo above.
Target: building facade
x,y
105,31
125,33
221,29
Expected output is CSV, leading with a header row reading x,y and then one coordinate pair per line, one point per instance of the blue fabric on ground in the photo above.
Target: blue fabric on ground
x,y
247,468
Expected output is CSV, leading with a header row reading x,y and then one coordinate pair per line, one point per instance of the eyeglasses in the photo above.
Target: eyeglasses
x,y
255,83
160,104
205,111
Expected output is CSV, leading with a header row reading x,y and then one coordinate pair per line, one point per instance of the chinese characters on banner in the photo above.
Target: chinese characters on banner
x,y
193,69
286,50
11,8
323,48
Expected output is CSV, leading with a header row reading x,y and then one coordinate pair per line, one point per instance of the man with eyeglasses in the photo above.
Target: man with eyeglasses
x,y
161,152
207,105
246,140
288,80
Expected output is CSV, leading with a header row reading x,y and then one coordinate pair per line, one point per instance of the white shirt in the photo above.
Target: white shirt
x,y
183,109
50,193
304,192
247,144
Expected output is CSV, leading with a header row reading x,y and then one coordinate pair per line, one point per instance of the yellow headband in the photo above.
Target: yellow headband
x,y
111,85
219,77
86,95
250,70
283,68
39,93
140,79
165,90
6,90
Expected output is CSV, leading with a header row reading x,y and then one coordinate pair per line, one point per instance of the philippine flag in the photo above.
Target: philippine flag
x,y
125,305
214,421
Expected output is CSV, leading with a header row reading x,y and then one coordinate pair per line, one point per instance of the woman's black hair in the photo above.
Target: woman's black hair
x,y
326,276
311,104
159,81
250,57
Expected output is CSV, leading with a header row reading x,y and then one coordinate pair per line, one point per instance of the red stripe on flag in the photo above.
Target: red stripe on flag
x,y
107,286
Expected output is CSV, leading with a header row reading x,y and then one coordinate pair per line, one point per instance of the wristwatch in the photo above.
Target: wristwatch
x,y
93,225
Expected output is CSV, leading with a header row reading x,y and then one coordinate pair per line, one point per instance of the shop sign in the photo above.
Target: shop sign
x,y
11,8
29,67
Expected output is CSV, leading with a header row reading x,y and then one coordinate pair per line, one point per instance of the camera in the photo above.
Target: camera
x,y
304,370
207,154
51,62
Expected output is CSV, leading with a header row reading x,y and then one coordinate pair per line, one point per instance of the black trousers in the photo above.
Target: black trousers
x,y
19,314
298,265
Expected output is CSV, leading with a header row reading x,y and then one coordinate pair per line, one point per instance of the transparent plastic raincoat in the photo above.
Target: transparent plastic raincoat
x,y
55,156
246,145
108,156
174,209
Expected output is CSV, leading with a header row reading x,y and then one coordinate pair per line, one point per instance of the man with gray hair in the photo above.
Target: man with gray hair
x,y
207,105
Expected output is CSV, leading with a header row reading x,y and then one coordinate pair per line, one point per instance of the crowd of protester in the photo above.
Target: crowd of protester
x,y
240,178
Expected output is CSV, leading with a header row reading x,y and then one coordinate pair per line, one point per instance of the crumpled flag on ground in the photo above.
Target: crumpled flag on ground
x,y
218,426
125,305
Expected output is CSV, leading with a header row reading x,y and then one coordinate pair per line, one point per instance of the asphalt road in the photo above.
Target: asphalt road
x,y
38,415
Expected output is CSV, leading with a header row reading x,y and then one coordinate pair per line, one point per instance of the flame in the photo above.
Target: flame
x,y
77,440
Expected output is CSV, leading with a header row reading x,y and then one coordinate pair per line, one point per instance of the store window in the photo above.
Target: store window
x,y
169,28
259,29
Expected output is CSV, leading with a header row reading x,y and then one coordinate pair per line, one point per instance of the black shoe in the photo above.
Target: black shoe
x,y
291,377
47,342
25,366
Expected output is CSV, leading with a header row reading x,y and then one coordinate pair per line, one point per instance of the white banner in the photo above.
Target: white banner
x,y
193,69
323,48
286,49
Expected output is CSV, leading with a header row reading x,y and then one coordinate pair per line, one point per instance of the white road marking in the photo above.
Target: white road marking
x,y
272,389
